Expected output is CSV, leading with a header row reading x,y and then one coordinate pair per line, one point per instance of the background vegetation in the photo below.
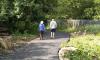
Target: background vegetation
x,y
21,14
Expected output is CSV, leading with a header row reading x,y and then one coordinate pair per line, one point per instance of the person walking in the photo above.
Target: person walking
x,y
53,26
41,29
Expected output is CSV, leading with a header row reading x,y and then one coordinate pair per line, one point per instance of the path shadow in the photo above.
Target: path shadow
x,y
33,51
58,35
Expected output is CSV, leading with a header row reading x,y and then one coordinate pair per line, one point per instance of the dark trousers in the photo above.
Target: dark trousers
x,y
53,30
41,35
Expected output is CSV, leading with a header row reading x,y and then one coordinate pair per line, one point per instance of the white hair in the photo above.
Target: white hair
x,y
52,19
41,22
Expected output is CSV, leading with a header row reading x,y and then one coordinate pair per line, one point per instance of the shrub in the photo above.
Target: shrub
x,y
95,28
88,48
25,27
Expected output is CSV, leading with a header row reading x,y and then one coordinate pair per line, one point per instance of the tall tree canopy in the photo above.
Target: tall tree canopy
x,y
22,13
79,9
41,9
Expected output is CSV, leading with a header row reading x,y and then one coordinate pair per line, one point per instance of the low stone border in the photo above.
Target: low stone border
x,y
63,50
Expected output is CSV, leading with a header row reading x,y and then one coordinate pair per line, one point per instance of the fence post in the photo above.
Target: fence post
x,y
69,36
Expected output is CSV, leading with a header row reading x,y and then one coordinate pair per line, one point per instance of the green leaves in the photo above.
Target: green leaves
x,y
79,9
12,10
89,12
87,48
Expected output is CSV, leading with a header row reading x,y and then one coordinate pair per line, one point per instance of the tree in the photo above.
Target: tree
x,y
26,12
97,9
79,9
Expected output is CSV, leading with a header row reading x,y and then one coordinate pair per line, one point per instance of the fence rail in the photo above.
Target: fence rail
x,y
76,23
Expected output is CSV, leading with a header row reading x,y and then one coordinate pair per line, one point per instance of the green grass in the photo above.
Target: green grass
x,y
88,48
23,37
68,30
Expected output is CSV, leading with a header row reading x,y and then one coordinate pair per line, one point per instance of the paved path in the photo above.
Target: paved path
x,y
46,49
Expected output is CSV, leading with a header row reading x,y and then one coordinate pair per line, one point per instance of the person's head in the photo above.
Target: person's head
x,y
52,19
41,22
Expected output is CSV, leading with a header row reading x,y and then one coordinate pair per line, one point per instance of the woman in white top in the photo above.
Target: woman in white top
x,y
53,26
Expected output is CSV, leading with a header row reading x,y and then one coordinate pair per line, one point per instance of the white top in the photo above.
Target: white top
x,y
53,24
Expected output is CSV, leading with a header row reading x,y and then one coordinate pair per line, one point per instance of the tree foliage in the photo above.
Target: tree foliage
x,y
20,14
17,12
79,9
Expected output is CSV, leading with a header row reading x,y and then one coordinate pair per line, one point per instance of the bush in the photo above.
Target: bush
x,y
88,48
95,28
25,27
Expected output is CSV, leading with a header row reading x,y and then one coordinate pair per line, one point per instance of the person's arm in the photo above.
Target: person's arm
x,y
50,25
44,27
56,24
